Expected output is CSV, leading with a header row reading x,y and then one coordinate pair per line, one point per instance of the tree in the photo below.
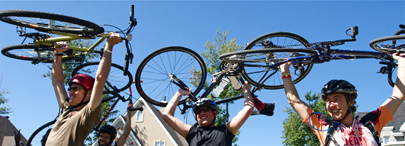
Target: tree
x,y
211,59
68,68
3,100
297,132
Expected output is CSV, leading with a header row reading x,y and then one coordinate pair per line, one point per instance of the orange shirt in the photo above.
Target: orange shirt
x,y
356,135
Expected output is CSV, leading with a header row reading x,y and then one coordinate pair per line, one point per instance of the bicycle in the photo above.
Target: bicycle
x,y
260,59
167,69
68,28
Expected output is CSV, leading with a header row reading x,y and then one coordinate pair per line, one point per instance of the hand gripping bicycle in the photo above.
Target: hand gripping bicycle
x,y
261,58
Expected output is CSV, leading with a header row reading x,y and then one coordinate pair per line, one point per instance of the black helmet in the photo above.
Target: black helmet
x,y
110,130
205,102
338,86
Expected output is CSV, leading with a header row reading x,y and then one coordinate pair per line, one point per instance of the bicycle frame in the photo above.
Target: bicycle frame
x,y
217,77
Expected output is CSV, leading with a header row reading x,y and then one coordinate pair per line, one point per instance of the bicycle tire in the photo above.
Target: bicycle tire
x,y
154,72
40,21
116,76
37,137
278,40
28,52
389,44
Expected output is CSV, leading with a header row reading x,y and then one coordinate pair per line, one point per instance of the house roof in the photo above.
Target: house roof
x,y
399,118
175,136
7,130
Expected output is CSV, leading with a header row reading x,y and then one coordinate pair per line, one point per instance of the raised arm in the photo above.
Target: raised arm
x,y
127,129
57,73
168,115
237,122
103,71
291,92
397,97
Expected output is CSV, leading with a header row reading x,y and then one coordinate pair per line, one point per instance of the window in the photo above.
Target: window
x,y
386,139
139,116
159,143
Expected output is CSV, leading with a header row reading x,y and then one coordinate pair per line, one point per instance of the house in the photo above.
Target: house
x,y
393,133
7,130
148,127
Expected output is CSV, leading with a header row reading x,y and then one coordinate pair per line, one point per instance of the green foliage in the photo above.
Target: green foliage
x,y
297,132
3,100
211,58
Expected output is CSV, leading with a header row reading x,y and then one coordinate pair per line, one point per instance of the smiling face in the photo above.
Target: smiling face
x,y
103,139
337,105
205,116
76,94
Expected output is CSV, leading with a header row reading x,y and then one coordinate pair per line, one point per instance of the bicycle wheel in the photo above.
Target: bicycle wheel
x,y
389,44
115,78
46,22
30,52
282,40
152,76
38,138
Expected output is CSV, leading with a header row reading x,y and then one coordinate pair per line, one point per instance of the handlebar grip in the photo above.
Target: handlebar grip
x,y
132,10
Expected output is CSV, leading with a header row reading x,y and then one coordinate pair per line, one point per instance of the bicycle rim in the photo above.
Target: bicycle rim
x,y
46,22
280,40
30,52
38,138
152,76
116,76
389,44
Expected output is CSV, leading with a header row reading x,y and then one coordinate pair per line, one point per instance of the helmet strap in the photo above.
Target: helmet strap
x,y
81,102
212,123
349,110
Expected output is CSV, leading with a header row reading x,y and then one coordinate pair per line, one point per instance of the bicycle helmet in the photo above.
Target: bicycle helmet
x,y
110,130
83,79
339,86
204,102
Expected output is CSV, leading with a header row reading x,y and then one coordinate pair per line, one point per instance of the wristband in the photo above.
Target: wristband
x,y
105,50
286,75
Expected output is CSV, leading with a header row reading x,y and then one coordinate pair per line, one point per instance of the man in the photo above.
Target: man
x,y
204,132
82,108
340,96
107,133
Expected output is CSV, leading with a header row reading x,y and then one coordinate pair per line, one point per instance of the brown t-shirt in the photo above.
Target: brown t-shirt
x,y
72,127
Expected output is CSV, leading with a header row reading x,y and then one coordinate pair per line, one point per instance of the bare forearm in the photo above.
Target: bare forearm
x,y
127,129
397,97
171,106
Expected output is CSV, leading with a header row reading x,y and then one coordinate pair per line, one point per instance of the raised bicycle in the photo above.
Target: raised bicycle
x,y
161,73
63,28
261,58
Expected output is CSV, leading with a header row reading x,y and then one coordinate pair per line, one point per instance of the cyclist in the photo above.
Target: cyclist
x,y
204,132
107,133
82,108
340,97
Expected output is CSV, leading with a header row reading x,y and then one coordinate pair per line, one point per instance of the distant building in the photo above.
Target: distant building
x,y
393,133
148,128
7,130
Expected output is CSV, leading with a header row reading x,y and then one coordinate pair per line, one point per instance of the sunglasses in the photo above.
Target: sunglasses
x,y
75,88
205,109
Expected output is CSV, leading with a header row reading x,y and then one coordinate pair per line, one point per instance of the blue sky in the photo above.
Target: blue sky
x,y
191,24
